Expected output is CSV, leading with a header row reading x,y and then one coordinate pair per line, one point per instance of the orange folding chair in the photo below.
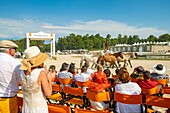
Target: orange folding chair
x,y
151,91
64,82
99,97
163,82
53,108
82,84
128,99
75,96
114,77
156,101
165,90
57,89
77,110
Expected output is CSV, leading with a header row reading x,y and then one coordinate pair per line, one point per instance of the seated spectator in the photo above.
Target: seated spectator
x,y
107,72
89,70
53,73
83,77
147,83
159,72
64,72
127,87
99,84
138,73
72,69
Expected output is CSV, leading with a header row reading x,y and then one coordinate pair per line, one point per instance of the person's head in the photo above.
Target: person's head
x,y
64,67
139,70
83,69
87,64
159,69
72,68
52,68
34,58
123,75
118,69
146,75
99,67
8,47
107,72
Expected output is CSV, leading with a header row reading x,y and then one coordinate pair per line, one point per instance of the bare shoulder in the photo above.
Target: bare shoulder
x,y
43,74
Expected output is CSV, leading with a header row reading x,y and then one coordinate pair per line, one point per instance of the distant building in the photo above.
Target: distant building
x,y
144,47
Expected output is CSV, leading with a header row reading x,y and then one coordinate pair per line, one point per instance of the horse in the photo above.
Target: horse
x,y
111,58
89,58
126,58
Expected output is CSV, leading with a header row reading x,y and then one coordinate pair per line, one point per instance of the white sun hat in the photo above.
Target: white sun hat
x,y
159,69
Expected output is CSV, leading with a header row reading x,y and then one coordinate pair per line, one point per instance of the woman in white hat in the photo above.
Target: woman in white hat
x,y
159,72
35,83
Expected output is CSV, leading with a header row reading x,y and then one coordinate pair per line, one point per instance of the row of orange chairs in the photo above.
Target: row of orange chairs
x,y
100,96
123,98
105,96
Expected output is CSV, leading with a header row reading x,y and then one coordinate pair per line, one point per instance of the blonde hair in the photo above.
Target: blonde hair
x,y
123,75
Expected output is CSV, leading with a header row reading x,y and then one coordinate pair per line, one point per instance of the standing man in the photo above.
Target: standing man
x,y
107,44
9,77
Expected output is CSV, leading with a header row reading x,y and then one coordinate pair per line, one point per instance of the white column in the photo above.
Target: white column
x,y
54,46
28,42
51,43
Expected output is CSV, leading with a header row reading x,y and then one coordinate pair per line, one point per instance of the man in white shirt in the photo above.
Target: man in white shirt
x,y
9,74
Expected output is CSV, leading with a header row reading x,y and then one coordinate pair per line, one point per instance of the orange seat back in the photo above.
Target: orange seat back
x,y
151,91
157,101
53,108
73,91
65,81
56,87
127,99
114,77
161,82
54,79
82,84
98,97
165,90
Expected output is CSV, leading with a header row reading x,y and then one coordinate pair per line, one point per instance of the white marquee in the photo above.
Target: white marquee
x,y
42,36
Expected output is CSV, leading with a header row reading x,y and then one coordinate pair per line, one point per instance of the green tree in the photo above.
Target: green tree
x,y
164,38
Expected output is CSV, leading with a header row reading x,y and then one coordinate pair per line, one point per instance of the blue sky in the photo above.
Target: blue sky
x,y
62,17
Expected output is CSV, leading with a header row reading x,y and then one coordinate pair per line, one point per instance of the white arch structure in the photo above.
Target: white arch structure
x,y
42,36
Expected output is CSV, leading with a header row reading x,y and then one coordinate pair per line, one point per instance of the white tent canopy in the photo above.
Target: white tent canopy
x,y
42,36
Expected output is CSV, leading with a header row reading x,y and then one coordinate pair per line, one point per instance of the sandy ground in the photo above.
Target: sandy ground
x,y
75,58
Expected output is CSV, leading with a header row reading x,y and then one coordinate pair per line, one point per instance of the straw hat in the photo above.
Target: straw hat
x,y
7,44
159,69
34,58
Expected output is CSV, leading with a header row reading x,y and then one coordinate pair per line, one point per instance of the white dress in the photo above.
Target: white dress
x,y
34,101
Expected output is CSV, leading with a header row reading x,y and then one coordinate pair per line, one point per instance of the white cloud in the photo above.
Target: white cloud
x,y
10,28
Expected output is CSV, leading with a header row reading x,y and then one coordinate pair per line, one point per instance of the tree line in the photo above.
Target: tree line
x,y
89,42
